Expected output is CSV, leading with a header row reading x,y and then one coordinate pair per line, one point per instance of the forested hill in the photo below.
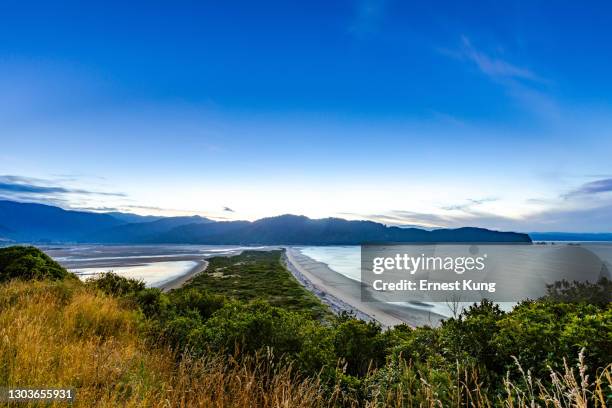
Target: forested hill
x,y
300,230
25,222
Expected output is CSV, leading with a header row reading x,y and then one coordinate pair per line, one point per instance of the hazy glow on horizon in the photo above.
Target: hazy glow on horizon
x,y
413,115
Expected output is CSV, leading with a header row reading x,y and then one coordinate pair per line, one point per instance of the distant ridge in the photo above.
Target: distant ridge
x,y
42,223
39,222
142,231
133,218
299,230
30,222
570,236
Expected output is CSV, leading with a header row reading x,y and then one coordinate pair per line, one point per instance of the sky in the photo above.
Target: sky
x,y
434,113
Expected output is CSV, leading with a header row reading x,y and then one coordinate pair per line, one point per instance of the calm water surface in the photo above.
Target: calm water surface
x,y
347,261
154,264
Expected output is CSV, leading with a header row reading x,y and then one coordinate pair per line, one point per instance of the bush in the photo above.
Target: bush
x,y
204,303
360,345
419,345
477,352
29,263
469,337
63,335
113,284
152,302
539,334
255,326
486,340
185,333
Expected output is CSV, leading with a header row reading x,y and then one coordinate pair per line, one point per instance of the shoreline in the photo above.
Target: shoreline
x,y
179,281
341,293
336,304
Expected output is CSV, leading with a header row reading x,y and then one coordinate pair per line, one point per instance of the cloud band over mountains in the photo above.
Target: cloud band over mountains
x,y
47,191
568,211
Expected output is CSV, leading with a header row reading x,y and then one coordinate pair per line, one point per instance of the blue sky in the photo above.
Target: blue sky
x,y
432,113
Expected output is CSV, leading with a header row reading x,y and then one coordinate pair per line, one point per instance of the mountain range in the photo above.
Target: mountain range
x,y
29,222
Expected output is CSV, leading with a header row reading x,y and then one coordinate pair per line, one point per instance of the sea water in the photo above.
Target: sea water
x,y
153,264
346,260
153,274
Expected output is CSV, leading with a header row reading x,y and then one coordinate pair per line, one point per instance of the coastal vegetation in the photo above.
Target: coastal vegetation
x,y
215,342
257,275
29,263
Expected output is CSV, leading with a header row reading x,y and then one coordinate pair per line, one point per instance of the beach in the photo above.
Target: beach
x,y
170,266
179,281
341,293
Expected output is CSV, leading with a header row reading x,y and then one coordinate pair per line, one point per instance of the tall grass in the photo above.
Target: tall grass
x,y
412,387
63,334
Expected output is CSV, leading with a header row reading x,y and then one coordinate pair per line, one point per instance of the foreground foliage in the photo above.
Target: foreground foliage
x,y
18,262
122,344
60,334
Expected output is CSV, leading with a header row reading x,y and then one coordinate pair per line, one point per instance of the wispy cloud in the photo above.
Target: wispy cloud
x,y
526,87
469,204
404,218
455,220
147,209
72,177
125,208
29,188
577,210
495,67
98,209
593,187
60,193
46,191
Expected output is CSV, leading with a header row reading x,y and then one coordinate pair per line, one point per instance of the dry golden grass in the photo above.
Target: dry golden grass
x,y
64,335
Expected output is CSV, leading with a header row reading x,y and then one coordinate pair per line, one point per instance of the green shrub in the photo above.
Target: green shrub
x,y
152,302
192,299
540,334
185,333
113,284
419,345
355,360
255,326
469,337
360,344
19,262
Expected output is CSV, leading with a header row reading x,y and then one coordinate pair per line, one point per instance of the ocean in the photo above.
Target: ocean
x,y
347,261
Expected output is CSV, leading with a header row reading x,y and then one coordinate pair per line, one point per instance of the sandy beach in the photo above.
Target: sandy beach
x,y
181,280
344,294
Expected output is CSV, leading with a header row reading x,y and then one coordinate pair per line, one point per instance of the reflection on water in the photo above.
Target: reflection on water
x,y
154,264
153,274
